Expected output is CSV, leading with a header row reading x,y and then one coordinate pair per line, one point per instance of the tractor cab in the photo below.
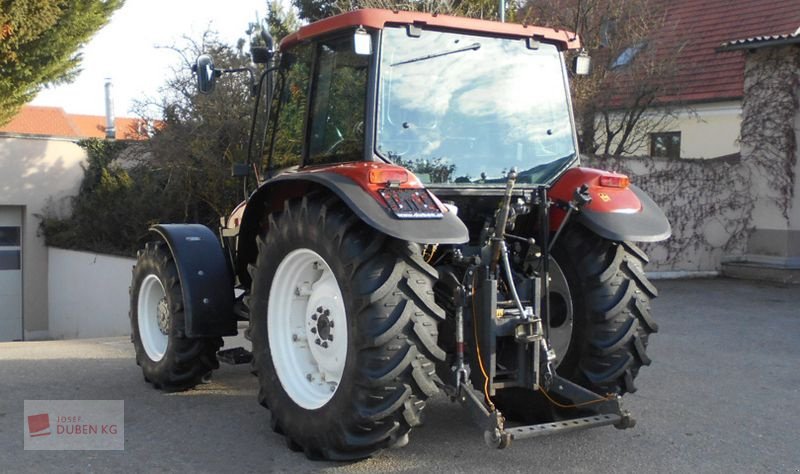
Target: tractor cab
x,y
458,102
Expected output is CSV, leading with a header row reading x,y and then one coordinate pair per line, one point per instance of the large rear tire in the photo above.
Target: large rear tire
x,y
600,299
611,303
169,360
344,331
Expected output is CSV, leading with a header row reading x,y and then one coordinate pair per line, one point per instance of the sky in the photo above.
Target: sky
x,y
125,50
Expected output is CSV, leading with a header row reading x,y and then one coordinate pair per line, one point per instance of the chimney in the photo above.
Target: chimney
x,y
111,132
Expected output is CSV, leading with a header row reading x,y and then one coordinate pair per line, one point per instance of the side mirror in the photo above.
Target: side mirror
x,y
362,42
582,63
206,74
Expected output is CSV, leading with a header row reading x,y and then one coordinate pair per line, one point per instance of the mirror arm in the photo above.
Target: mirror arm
x,y
248,70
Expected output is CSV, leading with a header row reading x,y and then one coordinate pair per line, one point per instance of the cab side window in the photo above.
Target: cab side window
x,y
338,103
288,110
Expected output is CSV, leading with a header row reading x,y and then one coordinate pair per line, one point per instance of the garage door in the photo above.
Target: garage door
x,y
10,273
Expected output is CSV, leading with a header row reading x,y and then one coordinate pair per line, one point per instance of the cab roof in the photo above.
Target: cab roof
x,y
378,19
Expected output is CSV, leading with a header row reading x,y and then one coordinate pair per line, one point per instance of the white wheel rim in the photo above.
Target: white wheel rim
x,y
307,328
152,315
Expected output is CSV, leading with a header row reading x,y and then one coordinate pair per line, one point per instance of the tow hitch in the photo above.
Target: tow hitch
x,y
476,297
604,411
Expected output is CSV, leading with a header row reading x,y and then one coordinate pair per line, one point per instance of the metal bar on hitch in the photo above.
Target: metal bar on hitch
x,y
564,426
581,397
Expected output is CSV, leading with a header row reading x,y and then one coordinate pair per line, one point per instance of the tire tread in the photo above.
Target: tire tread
x,y
397,316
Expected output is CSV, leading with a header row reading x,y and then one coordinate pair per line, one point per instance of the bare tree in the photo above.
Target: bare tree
x,y
198,137
631,91
312,10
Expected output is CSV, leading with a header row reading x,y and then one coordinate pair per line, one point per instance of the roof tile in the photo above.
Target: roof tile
x,y
705,74
54,122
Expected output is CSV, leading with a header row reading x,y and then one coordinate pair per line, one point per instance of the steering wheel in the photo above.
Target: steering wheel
x,y
355,132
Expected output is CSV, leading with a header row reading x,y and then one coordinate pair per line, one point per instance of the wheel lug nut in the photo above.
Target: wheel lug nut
x,y
313,317
319,309
325,344
330,324
326,313
313,330
330,338
317,342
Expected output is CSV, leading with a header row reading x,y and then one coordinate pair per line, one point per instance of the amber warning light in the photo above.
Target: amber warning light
x,y
615,181
390,176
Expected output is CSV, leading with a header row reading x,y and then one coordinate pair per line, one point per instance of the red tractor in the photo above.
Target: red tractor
x,y
419,222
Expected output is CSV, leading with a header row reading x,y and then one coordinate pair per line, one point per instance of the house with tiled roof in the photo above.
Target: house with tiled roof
x,y
41,165
54,122
709,83
737,90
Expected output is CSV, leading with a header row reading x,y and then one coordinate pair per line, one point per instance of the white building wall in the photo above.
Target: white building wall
x,y
707,130
88,294
33,171
771,115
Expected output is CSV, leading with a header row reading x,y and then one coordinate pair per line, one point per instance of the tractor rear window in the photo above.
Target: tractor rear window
x,y
338,101
462,109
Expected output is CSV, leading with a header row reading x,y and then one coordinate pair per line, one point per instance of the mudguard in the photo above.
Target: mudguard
x,y
206,279
346,181
616,212
448,229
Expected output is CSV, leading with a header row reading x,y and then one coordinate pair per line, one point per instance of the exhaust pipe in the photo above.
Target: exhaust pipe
x,y
111,132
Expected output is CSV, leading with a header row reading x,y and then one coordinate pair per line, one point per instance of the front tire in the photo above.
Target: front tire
x,y
322,275
169,360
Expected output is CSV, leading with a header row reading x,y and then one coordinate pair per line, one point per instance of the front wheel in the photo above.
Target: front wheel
x,y
169,360
344,331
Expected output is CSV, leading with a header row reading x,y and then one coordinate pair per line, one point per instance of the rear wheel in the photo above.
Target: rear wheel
x,y
600,319
169,360
611,303
344,331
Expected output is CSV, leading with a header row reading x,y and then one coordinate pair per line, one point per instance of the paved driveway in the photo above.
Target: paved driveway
x,y
723,395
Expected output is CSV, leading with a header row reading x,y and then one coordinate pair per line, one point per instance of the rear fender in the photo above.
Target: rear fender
x,y
615,213
427,220
205,277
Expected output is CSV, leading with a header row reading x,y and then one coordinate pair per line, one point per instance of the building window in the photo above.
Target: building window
x,y
9,236
665,145
627,56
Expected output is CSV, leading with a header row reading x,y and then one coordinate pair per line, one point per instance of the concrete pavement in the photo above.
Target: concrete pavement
x,y
722,395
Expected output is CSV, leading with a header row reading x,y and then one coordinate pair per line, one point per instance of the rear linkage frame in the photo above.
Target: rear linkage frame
x,y
477,297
